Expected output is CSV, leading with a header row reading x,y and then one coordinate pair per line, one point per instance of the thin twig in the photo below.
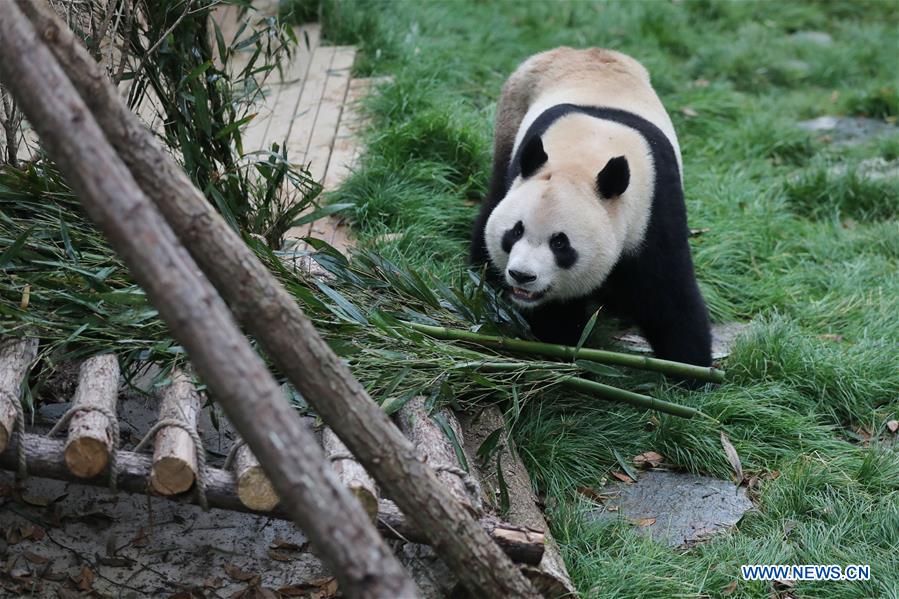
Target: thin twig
x,y
155,46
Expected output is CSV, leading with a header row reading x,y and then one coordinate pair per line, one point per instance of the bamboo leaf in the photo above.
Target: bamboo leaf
x,y
320,213
345,305
504,502
490,446
451,435
598,369
624,465
13,250
588,329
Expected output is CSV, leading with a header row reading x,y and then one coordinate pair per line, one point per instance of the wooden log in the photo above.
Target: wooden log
x,y
16,356
437,448
90,443
272,315
253,487
549,575
351,473
197,317
522,544
174,453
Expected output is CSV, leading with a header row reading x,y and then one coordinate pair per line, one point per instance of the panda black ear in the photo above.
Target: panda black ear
x,y
532,156
614,178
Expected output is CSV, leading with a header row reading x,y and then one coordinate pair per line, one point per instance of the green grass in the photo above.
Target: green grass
x,y
808,257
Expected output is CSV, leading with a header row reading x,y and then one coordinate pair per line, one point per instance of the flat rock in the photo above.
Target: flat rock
x,y
848,130
873,169
818,38
675,508
723,337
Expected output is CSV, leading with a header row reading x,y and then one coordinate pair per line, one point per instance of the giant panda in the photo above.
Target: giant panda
x,y
586,204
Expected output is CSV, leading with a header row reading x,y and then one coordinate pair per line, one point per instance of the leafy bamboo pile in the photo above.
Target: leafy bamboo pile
x,y
399,329
404,333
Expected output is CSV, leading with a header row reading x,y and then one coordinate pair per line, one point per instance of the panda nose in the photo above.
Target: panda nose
x,y
522,277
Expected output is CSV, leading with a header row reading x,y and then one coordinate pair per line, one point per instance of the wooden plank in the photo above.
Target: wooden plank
x,y
283,92
327,117
299,129
346,144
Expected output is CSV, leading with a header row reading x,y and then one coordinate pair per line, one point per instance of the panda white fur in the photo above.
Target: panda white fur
x,y
586,204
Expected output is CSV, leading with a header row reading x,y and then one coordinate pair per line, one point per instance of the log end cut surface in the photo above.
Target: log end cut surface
x,y
256,492
171,476
86,457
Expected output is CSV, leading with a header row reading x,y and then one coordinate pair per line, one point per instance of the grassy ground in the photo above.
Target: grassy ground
x,y
809,258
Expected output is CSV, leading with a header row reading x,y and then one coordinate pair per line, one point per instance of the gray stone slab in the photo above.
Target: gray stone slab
x,y
848,131
675,508
723,337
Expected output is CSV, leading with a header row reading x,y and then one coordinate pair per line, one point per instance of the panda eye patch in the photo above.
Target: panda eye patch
x,y
518,229
565,255
559,241
511,236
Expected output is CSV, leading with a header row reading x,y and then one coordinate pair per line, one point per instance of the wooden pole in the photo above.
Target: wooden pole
x,y
275,319
16,356
89,442
174,453
351,473
549,575
253,487
197,317
438,449
522,544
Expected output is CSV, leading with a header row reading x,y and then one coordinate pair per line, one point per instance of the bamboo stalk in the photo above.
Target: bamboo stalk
x,y
567,352
629,397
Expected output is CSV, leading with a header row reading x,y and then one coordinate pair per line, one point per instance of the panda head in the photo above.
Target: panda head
x,y
563,225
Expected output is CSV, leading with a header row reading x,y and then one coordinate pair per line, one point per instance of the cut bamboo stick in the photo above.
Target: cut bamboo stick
x,y
351,473
89,443
174,455
253,487
437,447
567,352
16,356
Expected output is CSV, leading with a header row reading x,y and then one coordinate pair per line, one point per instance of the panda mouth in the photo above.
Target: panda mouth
x,y
525,296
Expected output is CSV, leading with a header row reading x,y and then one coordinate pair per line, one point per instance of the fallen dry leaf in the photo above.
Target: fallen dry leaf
x,y
733,457
701,83
213,582
830,337
648,459
238,574
893,426
688,111
729,589
279,556
622,477
645,521
140,539
35,558
85,581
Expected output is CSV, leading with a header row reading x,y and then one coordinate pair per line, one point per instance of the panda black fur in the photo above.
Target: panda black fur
x,y
586,204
